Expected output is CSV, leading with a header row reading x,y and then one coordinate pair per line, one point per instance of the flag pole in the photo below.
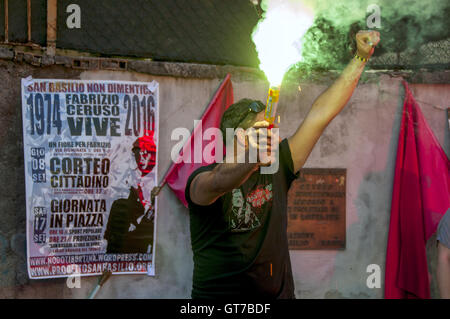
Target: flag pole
x,y
157,189
208,107
105,276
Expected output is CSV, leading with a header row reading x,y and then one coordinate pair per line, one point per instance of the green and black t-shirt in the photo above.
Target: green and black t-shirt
x,y
240,241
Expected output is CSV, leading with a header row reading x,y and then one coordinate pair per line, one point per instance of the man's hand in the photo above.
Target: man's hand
x,y
366,42
260,141
257,146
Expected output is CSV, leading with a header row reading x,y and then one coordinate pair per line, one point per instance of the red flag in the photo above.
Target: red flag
x,y
179,173
420,198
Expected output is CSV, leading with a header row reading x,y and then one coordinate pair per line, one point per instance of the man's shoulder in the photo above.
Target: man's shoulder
x,y
286,162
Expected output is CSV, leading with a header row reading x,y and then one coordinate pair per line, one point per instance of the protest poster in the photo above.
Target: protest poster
x,y
90,154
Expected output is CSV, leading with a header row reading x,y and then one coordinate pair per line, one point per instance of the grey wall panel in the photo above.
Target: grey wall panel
x,y
204,31
17,13
39,21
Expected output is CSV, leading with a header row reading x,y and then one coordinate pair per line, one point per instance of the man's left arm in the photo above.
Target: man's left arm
x,y
332,101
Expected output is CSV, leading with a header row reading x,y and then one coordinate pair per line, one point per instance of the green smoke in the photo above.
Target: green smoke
x,y
405,25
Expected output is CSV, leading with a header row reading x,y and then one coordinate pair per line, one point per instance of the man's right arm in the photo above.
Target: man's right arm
x,y
208,186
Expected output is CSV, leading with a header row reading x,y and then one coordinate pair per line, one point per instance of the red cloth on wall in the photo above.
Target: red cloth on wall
x,y
179,173
420,198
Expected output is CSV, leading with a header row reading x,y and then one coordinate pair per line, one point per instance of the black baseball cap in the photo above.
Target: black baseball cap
x,y
240,114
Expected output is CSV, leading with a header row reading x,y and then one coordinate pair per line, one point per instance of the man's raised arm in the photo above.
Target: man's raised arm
x,y
332,101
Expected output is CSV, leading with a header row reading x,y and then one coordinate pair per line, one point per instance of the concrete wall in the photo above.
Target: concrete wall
x,y
362,138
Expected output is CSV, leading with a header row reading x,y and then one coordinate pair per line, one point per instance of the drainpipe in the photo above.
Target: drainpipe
x,y
29,20
51,27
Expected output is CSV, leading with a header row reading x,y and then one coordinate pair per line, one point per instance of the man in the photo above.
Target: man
x,y
238,216
131,220
443,263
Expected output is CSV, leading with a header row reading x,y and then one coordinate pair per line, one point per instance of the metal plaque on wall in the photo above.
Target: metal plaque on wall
x,y
316,209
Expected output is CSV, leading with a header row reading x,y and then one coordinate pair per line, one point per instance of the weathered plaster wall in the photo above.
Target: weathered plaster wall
x,y
362,138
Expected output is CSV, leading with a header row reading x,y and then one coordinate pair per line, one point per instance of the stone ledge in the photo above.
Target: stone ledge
x,y
175,69
202,71
6,53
